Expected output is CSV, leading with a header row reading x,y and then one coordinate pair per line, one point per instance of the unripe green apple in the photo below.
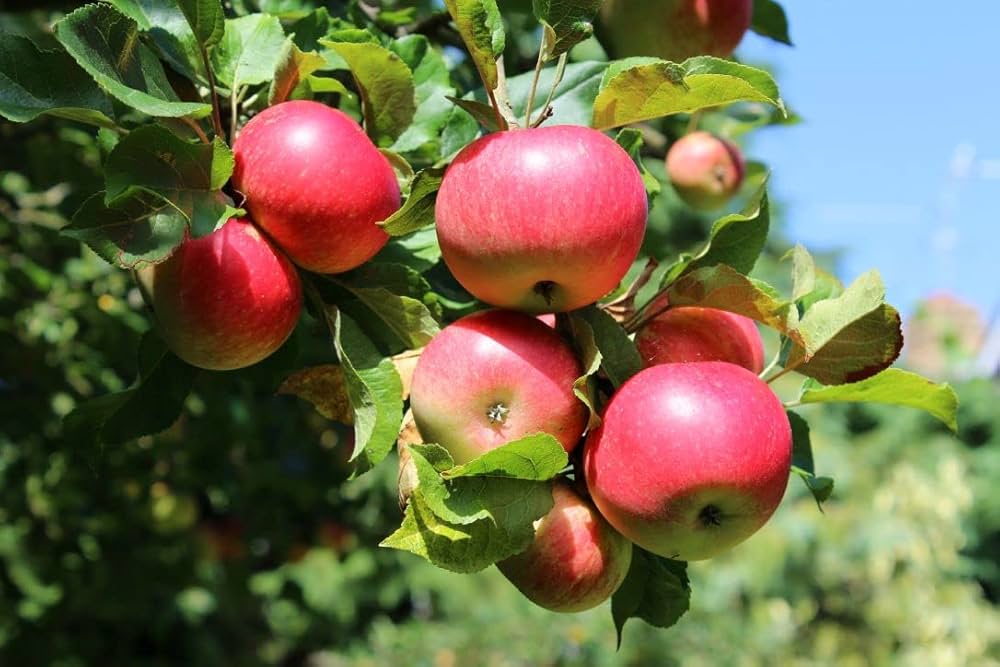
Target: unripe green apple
x,y
675,30
492,377
690,459
576,561
689,333
705,170
225,300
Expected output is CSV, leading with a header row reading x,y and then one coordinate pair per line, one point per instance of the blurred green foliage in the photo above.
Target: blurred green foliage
x,y
236,538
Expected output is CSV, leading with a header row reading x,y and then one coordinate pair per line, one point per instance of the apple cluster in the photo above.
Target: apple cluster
x,y
314,186
692,454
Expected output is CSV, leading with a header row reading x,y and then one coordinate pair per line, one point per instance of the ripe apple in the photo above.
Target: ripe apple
x,y
690,333
691,459
541,220
675,29
576,561
492,377
705,170
316,184
225,300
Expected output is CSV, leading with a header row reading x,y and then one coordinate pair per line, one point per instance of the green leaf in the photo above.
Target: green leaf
x,y
655,589
827,286
106,44
537,457
409,319
374,388
206,18
651,90
566,23
465,518
769,20
190,176
294,66
35,82
591,358
481,27
433,89
891,387
802,461
725,288
848,338
417,211
152,405
803,272
735,240
385,83
166,26
250,51
620,359
630,139
439,457
135,231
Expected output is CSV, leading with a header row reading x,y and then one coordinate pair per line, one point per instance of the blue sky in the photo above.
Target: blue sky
x,y
897,161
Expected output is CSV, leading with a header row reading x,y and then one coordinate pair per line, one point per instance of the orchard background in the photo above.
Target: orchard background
x,y
236,535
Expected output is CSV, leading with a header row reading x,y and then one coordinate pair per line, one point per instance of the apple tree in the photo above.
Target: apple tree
x,y
478,214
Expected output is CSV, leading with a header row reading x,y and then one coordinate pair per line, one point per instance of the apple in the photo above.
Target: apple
x,y
705,170
225,300
675,29
316,184
690,459
492,377
576,561
541,220
690,333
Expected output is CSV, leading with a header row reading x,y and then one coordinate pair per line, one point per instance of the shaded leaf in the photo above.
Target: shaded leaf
x,y
323,386
294,66
630,139
620,359
106,44
769,20
418,209
655,590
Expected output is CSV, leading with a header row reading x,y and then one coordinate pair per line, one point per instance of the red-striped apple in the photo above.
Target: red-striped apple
x,y
576,561
690,459
225,300
493,377
316,184
541,220
705,170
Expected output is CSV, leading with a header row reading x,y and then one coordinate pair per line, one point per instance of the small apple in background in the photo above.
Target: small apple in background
x,y
690,459
541,220
316,184
577,560
705,170
675,30
492,377
225,300
690,333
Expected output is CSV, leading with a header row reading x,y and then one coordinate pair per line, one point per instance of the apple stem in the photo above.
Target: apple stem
x,y
193,124
710,515
545,288
623,308
216,113
693,122
557,79
539,63
774,361
783,372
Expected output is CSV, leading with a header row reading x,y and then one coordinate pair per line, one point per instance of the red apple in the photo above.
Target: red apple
x,y
316,184
576,562
493,377
691,459
690,333
541,220
675,29
225,300
705,170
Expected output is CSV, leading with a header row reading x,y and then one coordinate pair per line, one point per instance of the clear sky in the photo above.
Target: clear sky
x,y
897,161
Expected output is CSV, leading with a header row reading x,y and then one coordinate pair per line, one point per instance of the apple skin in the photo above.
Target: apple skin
x,y
576,561
316,184
492,377
675,30
225,300
541,220
690,459
689,333
705,170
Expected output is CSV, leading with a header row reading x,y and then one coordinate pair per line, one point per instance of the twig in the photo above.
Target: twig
x,y
197,129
